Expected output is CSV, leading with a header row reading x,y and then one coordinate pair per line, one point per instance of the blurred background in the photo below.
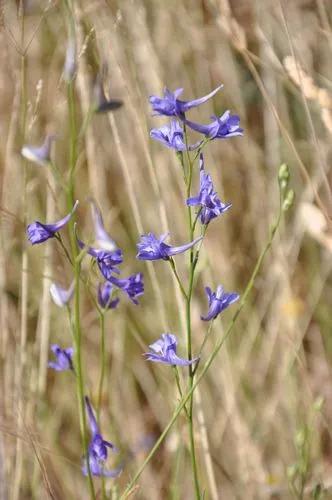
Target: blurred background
x,y
264,410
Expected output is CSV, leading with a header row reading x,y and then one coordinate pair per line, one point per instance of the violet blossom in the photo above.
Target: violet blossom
x,y
133,286
207,198
218,302
102,238
152,248
172,136
222,127
107,261
41,155
170,105
98,449
105,293
164,351
64,358
61,296
39,232
70,66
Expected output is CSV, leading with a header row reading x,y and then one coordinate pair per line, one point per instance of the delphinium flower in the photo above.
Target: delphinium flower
x,y
218,302
61,296
41,155
222,127
105,292
64,358
172,136
164,351
98,449
107,261
207,198
39,232
133,286
102,238
101,103
70,65
170,105
152,248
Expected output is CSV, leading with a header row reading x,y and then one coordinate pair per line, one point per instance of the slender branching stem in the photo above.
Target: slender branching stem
x,y
178,385
77,276
102,361
192,265
173,267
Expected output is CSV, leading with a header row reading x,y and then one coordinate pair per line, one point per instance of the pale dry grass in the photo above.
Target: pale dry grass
x,y
274,59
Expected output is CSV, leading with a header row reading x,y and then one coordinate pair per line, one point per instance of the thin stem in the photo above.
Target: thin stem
x,y
79,373
57,174
207,335
58,237
210,359
192,266
178,384
196,219
77,276
173,266
73,140
102,361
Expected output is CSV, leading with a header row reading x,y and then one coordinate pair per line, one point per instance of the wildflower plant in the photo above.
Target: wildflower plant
x,y
201,206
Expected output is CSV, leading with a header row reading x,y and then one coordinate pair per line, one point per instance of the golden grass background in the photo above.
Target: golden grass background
x,y
261,395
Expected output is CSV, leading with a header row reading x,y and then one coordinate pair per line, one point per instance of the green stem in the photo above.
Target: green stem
x,y
210,359
192,266
191,382
208,333
77,271
102,362
178,384
173,266
58,237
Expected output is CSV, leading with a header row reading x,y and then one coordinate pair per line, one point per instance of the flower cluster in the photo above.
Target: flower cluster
x,y
209,206
172,135
207,199
107,256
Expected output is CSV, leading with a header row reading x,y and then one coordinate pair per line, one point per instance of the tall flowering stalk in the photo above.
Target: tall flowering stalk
x,y
202,209
286,200
69,73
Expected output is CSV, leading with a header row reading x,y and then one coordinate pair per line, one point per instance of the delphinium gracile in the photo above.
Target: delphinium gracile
x,y
70,359
286,200
209,206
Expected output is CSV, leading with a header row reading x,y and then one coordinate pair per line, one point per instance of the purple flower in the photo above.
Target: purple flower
x,y
133,286
152,248
101,103
172,136
105,292
107,261
61,296
207,198
98,449
39,232
222,127
103,239
39,154
170,105
164,351
218,302
70,65
64,358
